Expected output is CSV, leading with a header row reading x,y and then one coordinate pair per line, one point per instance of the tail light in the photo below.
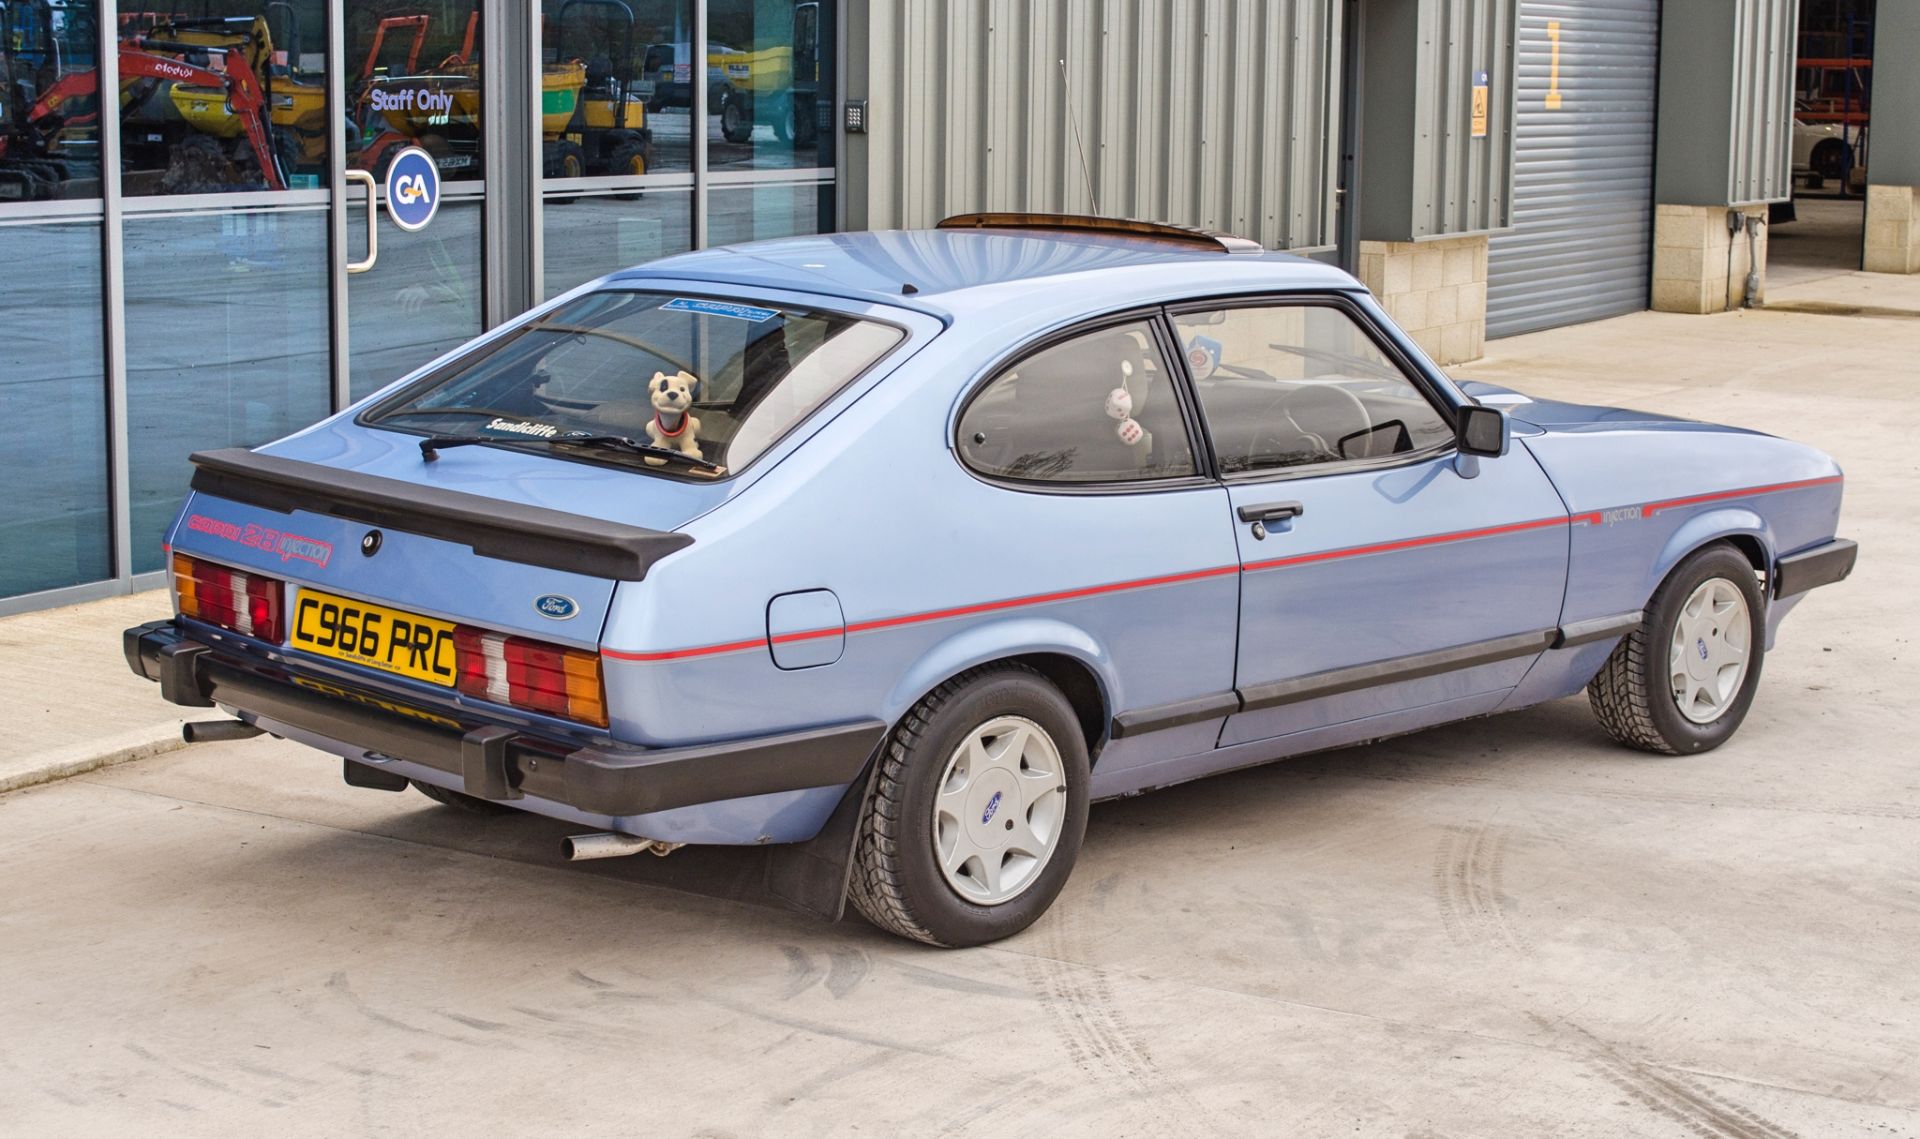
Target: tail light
x,y
247,603
530,674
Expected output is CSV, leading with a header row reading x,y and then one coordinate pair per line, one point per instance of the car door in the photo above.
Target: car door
x,y
1380,572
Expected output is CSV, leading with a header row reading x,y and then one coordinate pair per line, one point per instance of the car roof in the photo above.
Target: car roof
x,y
947,272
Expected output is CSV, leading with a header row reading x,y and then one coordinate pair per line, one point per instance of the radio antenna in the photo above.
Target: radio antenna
x,y
1073,121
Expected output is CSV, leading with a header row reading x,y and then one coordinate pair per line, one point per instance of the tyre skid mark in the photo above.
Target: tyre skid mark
x,y
1085,1016
1469,882
1665,1092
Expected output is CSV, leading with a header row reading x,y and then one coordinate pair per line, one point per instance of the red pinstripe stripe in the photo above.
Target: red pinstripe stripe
x,y
934,615
1410,543
1653,508
1592,518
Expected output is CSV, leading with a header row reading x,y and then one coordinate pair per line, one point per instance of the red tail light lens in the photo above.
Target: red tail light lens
x,y
247,603
530,674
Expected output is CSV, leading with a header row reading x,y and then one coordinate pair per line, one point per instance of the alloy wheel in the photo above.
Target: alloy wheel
x,y
999,811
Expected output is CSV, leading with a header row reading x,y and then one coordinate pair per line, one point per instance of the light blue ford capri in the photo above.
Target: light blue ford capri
x,y
893,551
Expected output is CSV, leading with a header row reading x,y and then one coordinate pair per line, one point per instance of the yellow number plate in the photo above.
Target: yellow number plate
x,y
391,640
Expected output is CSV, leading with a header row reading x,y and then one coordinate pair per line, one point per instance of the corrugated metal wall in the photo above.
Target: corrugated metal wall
x,y
1461,182
1581,244
1217,113
1760,167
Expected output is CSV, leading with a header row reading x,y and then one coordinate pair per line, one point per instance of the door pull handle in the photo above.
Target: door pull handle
x,y
373,222
1271,512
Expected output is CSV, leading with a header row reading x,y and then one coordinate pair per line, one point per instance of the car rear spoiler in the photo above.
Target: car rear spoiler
x,y
491,527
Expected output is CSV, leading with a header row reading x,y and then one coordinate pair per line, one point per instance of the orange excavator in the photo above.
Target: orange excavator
x,y
28,166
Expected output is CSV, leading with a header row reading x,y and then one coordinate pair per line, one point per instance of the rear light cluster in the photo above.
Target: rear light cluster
x,y
247,603
530,674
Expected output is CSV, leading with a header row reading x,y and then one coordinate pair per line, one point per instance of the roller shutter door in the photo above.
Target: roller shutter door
x,y
1581,244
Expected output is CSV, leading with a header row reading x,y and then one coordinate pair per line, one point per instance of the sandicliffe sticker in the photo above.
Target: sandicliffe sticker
x,y
555,605
720,308
413,189
515,427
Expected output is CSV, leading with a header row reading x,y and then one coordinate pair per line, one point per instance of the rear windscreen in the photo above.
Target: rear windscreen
x,y
722,380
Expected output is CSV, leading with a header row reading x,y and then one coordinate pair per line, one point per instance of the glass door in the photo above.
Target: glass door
x,y
413,75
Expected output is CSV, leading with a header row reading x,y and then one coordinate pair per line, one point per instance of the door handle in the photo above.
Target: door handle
x,y
373,222
1271,512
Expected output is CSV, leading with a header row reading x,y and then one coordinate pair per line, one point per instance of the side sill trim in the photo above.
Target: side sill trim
x,y
1335,681
1177,714
1822,565
510,531
1598,629
1414,667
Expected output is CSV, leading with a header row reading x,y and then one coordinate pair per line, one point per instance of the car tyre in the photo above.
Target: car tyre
x,y
1634,695
898,881
1831,160
460,800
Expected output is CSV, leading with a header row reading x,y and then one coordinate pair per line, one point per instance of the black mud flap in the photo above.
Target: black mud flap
x,y
812,876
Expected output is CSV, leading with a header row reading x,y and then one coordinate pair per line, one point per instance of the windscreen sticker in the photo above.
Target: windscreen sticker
x,y
720,308
538,430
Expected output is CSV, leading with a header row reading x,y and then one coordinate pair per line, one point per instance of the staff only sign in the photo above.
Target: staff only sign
x,y
413,189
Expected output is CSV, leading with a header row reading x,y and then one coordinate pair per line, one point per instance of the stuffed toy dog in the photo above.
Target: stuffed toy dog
x,y
673,424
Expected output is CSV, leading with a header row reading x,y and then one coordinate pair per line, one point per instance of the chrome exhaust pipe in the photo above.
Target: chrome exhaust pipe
x,y
212,731
582,847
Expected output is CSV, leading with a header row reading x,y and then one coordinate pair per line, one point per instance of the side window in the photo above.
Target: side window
x,y
1099,408
1296,385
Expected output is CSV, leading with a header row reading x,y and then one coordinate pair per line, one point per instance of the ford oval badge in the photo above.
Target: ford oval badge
x,y
993,805
556,606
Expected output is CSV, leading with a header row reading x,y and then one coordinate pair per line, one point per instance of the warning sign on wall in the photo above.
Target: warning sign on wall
x,y
1480,104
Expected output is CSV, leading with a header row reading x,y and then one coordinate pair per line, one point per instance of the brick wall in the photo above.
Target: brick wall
x,y
1435,290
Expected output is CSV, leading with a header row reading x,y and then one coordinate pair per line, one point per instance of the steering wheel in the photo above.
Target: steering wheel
x,y
1311,414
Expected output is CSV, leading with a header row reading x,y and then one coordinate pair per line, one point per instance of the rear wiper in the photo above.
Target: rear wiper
x,y
633,447
431,446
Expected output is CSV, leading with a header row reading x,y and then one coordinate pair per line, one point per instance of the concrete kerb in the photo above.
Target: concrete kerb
x,y
21,771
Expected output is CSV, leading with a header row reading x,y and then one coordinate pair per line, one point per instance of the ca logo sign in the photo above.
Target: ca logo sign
x,y
413,189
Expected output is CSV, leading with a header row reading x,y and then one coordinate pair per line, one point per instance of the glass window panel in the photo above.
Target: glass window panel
x,y
761,211
602,113
227,344
413,79
1099,408
54,524
229,96
50,105
719,379
589,236
615,141
776,57
1300,385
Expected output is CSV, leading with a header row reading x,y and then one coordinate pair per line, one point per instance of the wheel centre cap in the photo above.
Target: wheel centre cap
x,y
991,804
1697,659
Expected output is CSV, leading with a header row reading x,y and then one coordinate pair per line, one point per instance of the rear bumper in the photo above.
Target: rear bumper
x,y
1809,569
498,762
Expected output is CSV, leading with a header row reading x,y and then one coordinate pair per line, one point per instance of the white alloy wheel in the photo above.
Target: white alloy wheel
x,y
1712,641
999,811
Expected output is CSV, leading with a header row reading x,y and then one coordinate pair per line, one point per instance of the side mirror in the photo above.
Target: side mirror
x,y
1481,431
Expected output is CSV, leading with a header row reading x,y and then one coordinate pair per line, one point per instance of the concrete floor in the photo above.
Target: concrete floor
x,y
1823,239
1509,927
